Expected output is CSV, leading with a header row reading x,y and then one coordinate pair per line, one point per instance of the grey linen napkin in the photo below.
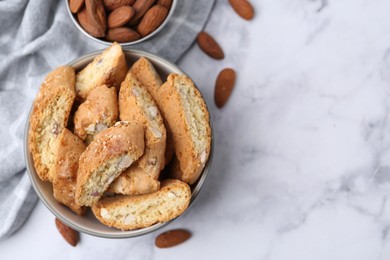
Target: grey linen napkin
x,y
35,37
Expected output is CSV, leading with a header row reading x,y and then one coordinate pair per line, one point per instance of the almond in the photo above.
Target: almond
x,y
153,18
140,8
122,34
207,44
224,86
114,4
96,16
165,3
70,235
87,25
243,8
120,16
172,238
75,5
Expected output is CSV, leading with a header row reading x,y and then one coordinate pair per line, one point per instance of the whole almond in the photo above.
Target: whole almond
x,y
243,8
140,8
97,16
87,25
153,18
165,3
224,86
207,44
122,34
75,5
120,16
70,235
172,238
114,4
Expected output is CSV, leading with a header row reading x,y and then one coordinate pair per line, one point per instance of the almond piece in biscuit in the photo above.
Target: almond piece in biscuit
x,y
108,68
67,163
49,116
187,117
111,152
98,112
138,211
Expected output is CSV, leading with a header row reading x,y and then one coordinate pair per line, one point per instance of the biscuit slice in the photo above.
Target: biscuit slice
x,y
139,211
108,68
67,162
147,75
187,117
111,152
49,116
136,105
98,112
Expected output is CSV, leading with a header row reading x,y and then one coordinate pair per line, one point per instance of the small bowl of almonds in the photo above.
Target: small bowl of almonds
x,y
127,22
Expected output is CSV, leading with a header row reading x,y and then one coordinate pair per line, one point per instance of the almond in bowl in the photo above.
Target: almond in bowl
x,y
111,150
124,21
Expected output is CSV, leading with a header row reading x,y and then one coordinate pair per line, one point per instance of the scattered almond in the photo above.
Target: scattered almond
x,y
153,18
224,86
75,5
210,46
70,235
122,34
96,14
165,3
120,16
140,8
172,238
243,8
114,4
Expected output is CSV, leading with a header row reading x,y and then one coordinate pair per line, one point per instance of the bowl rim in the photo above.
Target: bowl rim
x,y
116,232
76,23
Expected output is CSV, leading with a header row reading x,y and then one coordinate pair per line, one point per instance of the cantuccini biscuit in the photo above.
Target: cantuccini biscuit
x,y
129,212
108,68
144,71
66,165
111,152
187,118
49,117
136,105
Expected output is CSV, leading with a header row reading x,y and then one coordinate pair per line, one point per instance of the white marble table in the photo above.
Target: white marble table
x,y
302,160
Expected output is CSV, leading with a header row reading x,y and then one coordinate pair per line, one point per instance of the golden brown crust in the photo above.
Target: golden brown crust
x,y
49,117
187,118
112,151
144,71
108,68
139,211
66,166
98,112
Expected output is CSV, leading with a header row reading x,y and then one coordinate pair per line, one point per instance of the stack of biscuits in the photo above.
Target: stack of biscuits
x,y
103,135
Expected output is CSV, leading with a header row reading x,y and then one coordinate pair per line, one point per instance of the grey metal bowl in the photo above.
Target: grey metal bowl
x,y
88,223
76,23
